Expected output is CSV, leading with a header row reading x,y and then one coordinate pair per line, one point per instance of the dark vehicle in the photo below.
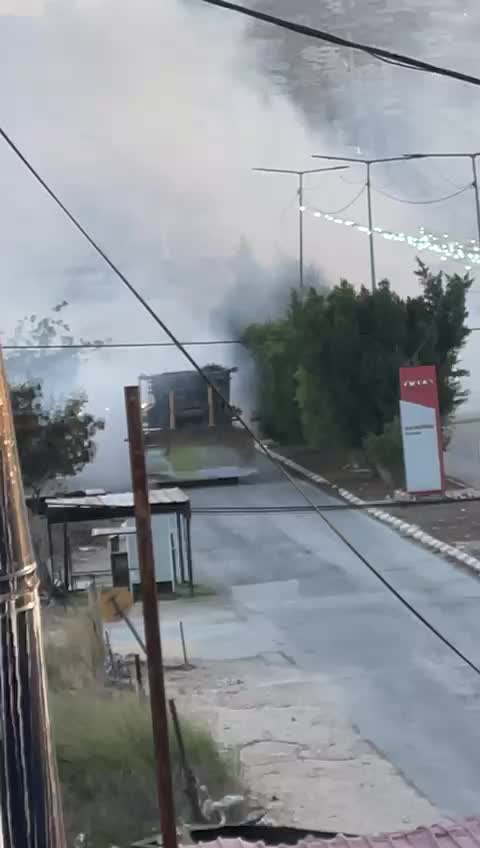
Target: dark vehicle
x,y
190,432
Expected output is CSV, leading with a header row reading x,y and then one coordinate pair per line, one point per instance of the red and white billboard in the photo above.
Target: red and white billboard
x,y
421,432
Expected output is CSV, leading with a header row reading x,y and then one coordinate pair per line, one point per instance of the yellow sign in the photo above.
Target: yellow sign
x,y
112,602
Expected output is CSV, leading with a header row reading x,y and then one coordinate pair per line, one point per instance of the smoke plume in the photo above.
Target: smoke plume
x,y
147,119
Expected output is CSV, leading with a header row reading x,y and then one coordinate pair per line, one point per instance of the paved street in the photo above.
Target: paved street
x,y
293,579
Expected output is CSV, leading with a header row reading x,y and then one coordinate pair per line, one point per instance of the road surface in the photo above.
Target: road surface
x,y
290,575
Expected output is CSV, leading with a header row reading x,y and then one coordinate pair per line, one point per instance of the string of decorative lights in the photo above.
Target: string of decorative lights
x,y
466,252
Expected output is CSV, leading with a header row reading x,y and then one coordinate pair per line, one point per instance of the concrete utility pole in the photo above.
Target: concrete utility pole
x,y
151,617
301,207
31,811
406,157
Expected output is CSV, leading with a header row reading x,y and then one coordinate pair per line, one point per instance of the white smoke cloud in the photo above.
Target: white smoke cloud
x,y
147,119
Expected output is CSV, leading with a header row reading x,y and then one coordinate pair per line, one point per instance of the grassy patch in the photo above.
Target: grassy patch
x,y
103,739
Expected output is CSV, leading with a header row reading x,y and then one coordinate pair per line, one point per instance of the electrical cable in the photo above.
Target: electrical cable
x,y
441,174
341,506
422,202
116,345
262,447
126,345
376,52
344,208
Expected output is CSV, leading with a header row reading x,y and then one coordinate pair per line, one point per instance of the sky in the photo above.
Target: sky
x,y
147,120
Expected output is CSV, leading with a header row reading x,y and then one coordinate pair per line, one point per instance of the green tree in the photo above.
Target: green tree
x,y
277,410
331,364
59,366
54,442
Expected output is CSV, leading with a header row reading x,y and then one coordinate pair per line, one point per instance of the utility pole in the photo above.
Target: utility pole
x,y
368,185
475,189
31,811
151,617
373,278
301,207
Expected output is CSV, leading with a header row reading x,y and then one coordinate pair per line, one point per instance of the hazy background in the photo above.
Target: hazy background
x,y
147,119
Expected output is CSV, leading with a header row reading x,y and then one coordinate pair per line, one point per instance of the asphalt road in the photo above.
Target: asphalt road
x,y
404,690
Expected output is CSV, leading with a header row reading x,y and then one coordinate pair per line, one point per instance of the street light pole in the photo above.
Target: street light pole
x,y
368,164
301,207
475,188
300,229
370,230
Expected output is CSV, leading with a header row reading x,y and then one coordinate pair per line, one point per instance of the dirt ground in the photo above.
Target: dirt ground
x,y
456,523
304,763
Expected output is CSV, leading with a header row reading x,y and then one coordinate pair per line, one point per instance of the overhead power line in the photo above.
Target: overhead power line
x,y
422,202
116,345
263,448
376,52
348,205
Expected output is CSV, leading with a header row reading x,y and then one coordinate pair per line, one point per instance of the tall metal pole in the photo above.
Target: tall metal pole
x,y
300,175
300,228
151,617
370,230
475,188
31,811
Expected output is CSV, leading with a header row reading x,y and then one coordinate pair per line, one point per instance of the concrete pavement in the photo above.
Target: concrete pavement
x,y
289,575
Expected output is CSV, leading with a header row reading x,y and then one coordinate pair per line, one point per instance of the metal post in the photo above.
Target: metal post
x,y
180,548
475,188
151,617
50,550
133,630
66,557
30,806
138,674
188,520
184,647
211,407
191,784
370,230
300,228
171,410
97,624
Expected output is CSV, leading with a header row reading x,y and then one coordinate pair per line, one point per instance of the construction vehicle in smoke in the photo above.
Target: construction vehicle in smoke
x,y
191,433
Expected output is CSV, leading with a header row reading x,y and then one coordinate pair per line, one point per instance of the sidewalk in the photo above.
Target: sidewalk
x,y
301,759
213,630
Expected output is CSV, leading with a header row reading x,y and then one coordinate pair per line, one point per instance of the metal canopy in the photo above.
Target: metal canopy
x,y
104,507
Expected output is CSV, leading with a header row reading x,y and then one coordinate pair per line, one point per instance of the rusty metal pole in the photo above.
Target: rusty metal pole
x,y
151,617
30,805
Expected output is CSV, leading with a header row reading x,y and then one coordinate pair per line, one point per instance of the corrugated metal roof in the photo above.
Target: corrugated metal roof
x,y
164,497
464,834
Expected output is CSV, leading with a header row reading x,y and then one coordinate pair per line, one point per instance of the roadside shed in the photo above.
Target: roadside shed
x,y
171,504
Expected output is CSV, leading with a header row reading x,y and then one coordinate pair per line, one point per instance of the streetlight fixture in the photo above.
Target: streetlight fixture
x,y
301,207
405,157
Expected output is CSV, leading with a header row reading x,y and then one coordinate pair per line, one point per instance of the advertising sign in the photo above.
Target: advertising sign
x,y
421,434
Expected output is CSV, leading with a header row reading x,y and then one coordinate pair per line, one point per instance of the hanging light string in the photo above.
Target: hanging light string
x,y
466,252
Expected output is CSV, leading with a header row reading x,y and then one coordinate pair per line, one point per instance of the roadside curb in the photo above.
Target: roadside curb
x,y
402,527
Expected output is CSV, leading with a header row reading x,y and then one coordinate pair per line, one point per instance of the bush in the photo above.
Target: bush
x,y
104,746
385,453
106,764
